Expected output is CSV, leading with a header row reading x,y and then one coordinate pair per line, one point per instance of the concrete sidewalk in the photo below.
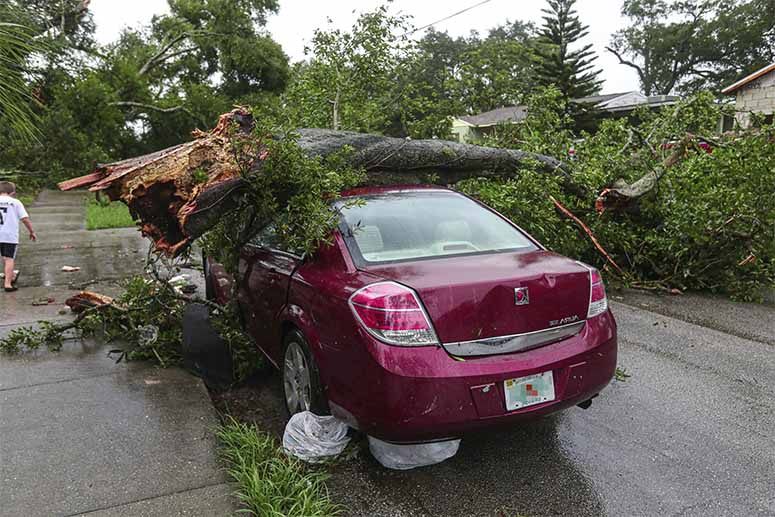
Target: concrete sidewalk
x,y
80,434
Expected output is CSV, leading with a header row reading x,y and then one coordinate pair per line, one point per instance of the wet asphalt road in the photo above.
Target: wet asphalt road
x,y
690,433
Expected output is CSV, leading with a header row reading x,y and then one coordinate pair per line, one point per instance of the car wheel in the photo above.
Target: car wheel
x,y
301,381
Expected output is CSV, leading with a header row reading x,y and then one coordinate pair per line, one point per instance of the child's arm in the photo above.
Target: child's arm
x,y
26,221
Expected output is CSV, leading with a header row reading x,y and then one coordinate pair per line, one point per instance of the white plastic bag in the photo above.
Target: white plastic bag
x,y
314,438
405,457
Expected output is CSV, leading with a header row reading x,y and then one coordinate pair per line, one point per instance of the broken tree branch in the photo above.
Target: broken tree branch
x,y
87,300
622,193
160,57
142,105
567,213
388,160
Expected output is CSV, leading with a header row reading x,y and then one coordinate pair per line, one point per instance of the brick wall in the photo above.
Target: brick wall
x,y
757,96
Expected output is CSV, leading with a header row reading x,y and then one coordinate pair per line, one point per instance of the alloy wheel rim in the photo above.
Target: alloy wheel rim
x,y
296,379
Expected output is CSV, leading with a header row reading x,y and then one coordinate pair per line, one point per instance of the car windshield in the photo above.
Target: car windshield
x,y
414,225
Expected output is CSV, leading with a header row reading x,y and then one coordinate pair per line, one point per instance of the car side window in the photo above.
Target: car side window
x,y
267,237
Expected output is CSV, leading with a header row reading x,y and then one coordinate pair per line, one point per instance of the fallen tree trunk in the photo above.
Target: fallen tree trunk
x,y
392,160
165,190
179,193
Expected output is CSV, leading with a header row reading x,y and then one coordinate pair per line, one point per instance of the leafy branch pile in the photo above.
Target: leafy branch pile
x,y
292,189
144,323
702,216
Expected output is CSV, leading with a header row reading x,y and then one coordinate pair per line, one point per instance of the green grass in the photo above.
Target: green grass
x,y
621,374
113,215
27,199
270,483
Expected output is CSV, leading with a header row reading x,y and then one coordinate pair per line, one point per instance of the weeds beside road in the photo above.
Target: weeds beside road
x,y
271,483
112,215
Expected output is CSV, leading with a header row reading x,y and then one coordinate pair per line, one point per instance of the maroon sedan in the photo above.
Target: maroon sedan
x,y
428,316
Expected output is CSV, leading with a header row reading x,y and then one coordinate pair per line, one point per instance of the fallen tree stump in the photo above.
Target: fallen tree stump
x,y
180,192
87,300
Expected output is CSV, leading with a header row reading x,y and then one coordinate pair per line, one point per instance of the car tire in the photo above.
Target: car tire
x,y
301,386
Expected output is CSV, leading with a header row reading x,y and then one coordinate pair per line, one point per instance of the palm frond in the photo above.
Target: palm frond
x,y
16,45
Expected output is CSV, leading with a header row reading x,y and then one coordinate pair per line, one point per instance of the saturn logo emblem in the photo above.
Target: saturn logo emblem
x,y
521,296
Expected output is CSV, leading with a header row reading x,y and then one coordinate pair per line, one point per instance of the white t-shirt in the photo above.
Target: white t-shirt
x,y
11,212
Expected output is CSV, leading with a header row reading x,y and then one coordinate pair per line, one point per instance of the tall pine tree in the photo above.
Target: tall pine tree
x,y
570,71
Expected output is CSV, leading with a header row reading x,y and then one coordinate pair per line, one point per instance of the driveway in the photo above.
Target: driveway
x,y
80,434
692,432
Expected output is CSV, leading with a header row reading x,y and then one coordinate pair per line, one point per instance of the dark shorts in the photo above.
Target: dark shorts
x,y
8,250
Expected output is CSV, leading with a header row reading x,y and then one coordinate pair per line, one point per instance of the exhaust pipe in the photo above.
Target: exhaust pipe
x,y
587,403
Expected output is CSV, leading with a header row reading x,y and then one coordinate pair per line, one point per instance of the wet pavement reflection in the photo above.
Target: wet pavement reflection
x,y
524,470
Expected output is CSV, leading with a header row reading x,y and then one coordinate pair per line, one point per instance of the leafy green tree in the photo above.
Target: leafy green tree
x,y
200,38
150,88
374,78
193,64
702,225
43,41
349,79
428,87
692,45
496,71
571,71
744,34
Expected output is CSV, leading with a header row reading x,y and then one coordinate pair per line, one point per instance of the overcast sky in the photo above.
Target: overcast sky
x,y
294,24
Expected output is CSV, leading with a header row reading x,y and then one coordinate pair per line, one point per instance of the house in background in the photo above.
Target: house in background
x,y
754,94
473,128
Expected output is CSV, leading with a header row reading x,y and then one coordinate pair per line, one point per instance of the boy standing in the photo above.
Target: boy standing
x,y
11,212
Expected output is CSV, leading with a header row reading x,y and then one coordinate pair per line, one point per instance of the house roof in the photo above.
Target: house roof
x,y
612,102
631,100
496,116
747,79
597,99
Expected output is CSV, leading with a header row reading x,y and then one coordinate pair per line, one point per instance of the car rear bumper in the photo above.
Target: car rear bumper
x,y
420,394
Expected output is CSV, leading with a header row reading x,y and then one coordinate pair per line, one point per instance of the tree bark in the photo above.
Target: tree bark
x,y
388,160
174,205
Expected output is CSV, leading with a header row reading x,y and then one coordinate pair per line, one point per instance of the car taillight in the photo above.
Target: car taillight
x,y
392,313
598,303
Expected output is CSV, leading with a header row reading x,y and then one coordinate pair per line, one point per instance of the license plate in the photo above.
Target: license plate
x,y
529,391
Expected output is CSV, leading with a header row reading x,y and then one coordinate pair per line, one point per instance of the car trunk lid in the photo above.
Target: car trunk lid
x,y
471,298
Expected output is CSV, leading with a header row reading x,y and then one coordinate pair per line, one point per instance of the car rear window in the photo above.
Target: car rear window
x,y
415,225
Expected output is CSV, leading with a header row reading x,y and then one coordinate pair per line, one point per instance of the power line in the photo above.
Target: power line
x,y
451,16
